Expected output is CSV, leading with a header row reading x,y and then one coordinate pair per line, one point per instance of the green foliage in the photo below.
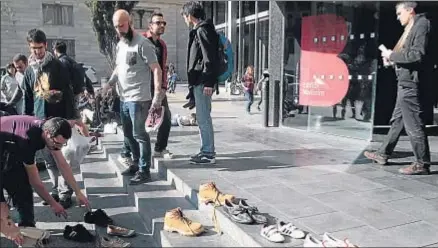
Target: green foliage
x,y
101,18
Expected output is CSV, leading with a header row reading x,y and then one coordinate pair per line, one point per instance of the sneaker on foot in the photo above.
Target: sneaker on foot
x,y
415,169
119,231
141,177
130,171
203,159
126,161
56,197
376,157
209,193
163,154
113,243
175,221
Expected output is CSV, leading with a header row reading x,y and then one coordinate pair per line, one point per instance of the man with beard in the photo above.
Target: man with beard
x,y
410,59
48,94
135,60
156,29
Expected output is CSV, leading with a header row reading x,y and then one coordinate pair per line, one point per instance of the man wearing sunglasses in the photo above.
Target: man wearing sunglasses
x,y
20,138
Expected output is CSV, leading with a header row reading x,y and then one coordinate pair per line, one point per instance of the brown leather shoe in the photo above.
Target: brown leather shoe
x,y
376,157
415,169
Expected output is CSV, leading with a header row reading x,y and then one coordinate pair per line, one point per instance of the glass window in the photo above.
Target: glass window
x,y
330,66
57,14
248,8
263,5
221,12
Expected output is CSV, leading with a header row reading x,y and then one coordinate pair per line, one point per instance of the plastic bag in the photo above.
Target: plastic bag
x,y
110,128
77,148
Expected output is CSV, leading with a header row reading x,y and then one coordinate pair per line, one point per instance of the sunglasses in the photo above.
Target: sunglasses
x,y
160,23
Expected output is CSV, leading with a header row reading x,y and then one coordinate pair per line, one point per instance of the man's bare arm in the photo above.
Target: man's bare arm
x,y
158,81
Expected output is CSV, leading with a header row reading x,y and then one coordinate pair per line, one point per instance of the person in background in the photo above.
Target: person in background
x,y
8,88
20,63
260,87
248,87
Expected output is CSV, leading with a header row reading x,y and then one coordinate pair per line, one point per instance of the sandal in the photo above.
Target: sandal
x,y
290,230
271,233
253,212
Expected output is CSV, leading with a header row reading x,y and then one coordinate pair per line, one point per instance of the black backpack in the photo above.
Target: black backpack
x,y
77,72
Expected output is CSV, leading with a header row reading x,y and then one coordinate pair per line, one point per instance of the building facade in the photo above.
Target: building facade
x,y
326,74
71,21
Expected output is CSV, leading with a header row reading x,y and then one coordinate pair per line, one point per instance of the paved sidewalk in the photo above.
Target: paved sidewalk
x,y
320,182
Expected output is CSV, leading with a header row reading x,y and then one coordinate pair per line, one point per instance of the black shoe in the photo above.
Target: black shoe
x,y
130,171
189,105
98,217
78,233
66,202
141,177
56,197
203,159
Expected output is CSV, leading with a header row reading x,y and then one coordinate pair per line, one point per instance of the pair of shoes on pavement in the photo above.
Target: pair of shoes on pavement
x,y
116,242
243,213
98,217
327,241
64,200
78,233
275,233
154,119
202,158
413,169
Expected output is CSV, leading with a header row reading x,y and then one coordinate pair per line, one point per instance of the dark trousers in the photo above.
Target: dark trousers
x,y
162,135
408,115
15,181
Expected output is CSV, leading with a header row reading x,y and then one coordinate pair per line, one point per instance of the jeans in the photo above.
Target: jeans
x,y
133,117
62,188
19,107
249,97
408,114
205,123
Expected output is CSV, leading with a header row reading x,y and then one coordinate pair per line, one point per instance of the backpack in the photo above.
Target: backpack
x,y
225,58
77,72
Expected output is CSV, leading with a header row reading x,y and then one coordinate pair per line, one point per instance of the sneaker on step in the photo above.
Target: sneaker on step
x,y
126,161
113,243
55,196
175,221
291,230
130,171
203,159
376,157
310,241
65,201
271,233
140,177
98,217
163,154
77,233
119,231
329,241
209,193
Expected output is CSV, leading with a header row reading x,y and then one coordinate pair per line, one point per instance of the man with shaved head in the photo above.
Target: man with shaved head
x,y
135,61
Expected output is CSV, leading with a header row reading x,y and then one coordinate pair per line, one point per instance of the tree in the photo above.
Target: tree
x,y
101,17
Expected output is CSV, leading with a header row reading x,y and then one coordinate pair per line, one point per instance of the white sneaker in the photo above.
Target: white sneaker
x,y
125,161
290,230
113,243
310,241
330,241
164,154
271,233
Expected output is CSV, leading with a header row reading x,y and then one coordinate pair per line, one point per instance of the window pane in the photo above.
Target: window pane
x,y
248,8
55,14
263,5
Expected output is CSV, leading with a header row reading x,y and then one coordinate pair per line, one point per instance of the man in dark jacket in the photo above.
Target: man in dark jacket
x,y
202,76
409,57
48,94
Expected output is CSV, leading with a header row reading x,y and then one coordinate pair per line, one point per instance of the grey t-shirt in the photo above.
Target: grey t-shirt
x,y
134,73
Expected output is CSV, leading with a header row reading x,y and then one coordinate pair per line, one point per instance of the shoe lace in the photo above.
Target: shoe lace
x,y
185,220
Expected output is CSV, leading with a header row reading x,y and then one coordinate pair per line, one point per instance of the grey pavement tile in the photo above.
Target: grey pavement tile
x,y
430,179
433,245
385,195
414,234
375,174
330,222
367,236
315,188
298,178
350,182
290,202
410,186
368,211
420,208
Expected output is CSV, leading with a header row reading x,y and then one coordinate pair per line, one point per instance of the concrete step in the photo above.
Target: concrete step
x,y
245,235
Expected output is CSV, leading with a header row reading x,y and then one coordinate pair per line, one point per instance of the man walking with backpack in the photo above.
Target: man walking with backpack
x,y
202,59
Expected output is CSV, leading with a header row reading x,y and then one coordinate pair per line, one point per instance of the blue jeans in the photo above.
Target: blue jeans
x,y
203,116
249,97
133,117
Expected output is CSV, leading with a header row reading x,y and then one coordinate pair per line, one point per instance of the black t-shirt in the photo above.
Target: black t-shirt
x,y
159,53
21,137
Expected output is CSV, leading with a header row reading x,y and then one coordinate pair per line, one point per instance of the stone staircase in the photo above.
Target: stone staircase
x,y
143,207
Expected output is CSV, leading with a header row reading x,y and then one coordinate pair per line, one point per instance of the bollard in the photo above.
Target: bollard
x,y
276,121
265,97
